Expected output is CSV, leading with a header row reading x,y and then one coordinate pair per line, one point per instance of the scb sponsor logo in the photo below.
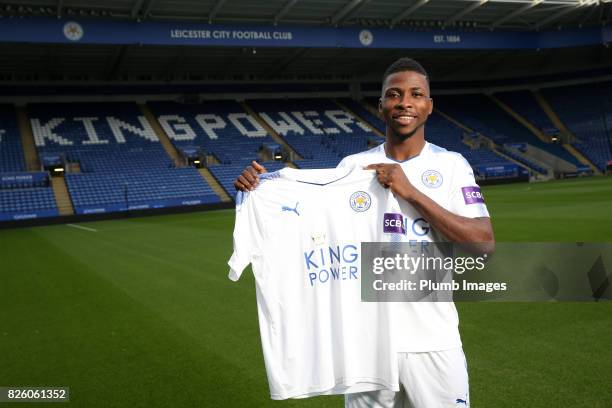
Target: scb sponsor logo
x,y
394,223
472,195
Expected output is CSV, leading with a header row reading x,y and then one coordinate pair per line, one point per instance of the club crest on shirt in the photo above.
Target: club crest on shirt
x,y
360,201
432,178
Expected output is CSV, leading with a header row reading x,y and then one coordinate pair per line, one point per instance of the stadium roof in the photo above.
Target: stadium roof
x,y
478,14
44,62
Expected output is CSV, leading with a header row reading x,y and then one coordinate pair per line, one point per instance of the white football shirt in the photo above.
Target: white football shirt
x,y
301,230
447,178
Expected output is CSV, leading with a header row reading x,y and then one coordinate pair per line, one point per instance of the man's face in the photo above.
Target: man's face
x,y
405,103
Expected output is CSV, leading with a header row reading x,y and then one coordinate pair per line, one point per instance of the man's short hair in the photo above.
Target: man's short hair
x,y
405,64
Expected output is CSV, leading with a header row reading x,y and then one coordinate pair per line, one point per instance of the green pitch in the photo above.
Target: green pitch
x,y
139,313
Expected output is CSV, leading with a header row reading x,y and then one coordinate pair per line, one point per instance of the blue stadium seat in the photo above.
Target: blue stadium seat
x,y
525,104
11,150
226,174
482,115
122,161
317,129
590,119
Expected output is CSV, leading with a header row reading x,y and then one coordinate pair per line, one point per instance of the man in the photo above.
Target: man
x,y
433,372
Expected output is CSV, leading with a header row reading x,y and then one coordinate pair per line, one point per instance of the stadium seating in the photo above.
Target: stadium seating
x,y
22,201
364,113
11,150
482,115
524,160
122,161
226,175
26,195
589,119
525,104
317,129
218,128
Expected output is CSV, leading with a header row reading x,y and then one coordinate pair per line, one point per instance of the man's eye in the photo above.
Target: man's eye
x,y
392,95
417,95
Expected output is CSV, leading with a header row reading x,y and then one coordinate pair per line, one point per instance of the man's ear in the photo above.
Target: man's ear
x,y
379,104
431,106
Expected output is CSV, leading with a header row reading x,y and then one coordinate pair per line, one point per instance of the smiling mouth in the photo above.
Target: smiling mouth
x,y
404,119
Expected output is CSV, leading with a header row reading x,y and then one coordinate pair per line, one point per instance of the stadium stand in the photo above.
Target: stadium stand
x,y
524,103
317,129
226,175
26,195
480,114
22,194
123,165
221,129
589,119
365,114
11,150
486,163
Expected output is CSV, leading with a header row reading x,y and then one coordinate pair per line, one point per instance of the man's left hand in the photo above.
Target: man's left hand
x,y
392,176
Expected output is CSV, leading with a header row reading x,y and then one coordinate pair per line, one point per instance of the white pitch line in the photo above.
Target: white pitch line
x,y
81,227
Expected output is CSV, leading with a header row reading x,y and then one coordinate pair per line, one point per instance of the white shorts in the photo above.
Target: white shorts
x,y
435,379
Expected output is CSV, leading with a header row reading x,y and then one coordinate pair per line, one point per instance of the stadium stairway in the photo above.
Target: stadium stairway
x,y
519,118
538,133
370,107
62,198
162,136
453,120
356,114
554,118
275,136
496,148
552,115
214,184
530,169
27,140
582,158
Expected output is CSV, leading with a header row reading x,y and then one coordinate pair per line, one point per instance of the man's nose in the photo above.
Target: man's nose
x,y
406,101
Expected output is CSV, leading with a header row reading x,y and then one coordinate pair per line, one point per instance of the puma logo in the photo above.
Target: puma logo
x,y
294,209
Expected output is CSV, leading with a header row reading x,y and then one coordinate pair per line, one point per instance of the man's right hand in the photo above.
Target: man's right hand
x,y
249,179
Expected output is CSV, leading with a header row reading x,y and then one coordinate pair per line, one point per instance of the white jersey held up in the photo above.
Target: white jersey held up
x,y
301,230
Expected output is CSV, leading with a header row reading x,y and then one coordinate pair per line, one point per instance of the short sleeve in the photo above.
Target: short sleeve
x,y
465,196
247,235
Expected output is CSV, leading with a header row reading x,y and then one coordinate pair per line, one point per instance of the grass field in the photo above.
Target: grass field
x,y
139,313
